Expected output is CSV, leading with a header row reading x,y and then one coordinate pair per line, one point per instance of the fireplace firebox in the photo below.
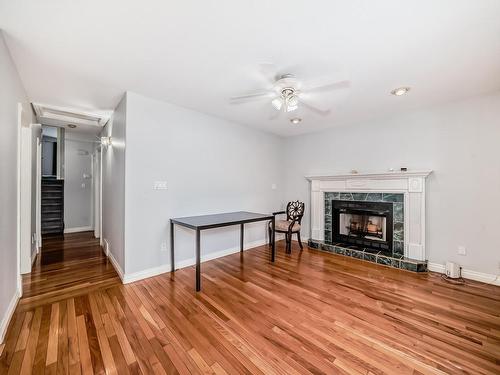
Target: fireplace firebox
x,y
364,224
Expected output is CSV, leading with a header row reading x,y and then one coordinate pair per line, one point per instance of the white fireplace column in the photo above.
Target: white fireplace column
x,y
411,184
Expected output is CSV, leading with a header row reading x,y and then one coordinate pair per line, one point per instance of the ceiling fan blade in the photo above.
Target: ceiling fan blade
x,y
268,72
312,108
252,96
330,86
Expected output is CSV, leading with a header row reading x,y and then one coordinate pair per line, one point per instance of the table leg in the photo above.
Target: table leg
x,y
241,236
172,262
273,240
198,276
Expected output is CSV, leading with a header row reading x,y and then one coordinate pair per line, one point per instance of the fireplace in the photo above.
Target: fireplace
x,y
364,224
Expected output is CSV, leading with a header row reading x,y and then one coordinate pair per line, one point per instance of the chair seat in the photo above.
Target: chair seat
x,y
282,225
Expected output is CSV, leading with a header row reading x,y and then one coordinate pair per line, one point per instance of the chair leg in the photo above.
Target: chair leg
x,y
289,243
270,235
300,242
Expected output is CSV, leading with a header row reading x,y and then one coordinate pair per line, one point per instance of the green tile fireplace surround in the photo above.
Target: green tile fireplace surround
x,y
402,195
369,255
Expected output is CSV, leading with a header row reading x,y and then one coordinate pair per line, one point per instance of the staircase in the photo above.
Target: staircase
x,y
52,205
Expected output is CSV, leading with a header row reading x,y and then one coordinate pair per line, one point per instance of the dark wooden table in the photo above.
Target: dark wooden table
x,y
199,223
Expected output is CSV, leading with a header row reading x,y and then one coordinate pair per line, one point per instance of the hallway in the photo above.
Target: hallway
x,y
67,267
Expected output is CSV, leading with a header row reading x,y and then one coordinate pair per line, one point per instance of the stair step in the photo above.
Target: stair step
x,y
55,218
52,227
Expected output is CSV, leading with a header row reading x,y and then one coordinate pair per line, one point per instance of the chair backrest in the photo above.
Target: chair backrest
x,y
295,211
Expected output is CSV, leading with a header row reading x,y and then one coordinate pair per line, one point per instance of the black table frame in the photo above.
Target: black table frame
x,y
199,228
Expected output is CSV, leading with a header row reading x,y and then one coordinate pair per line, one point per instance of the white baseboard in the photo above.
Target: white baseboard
x,y
115,264
467,274
78,229
150,272
8,315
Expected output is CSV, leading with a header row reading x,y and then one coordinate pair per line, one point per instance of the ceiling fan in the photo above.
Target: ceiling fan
x,y
287,94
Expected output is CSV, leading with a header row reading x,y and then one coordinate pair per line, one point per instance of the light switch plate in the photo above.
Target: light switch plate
x,y
160,185
274,187
462,250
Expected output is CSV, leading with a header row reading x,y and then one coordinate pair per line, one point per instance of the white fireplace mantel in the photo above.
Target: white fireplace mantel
x,y
410,183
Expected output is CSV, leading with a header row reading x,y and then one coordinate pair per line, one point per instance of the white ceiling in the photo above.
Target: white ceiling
x,y
85,54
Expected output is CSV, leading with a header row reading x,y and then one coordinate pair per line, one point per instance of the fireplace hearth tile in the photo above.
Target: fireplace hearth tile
x,y
384,260
340,250
374,197
397,261
398,248
357,254
409,266
397,212
369,257
398,232
359,196
390,197
328,247
345,197
313,244
332,195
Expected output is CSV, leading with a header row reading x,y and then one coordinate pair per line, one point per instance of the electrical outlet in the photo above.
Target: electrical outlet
x,y
274,187
164,246
462,250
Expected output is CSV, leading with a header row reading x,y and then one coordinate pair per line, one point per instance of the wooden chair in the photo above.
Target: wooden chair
x,y
294,212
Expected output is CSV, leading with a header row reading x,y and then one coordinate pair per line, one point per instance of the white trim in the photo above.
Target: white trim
x,y
78,229
116,265
375,175
26,238
150,272
38,184
8,314
18,218
33,258
467,274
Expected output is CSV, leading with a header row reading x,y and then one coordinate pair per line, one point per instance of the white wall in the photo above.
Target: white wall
x,y
210,166
113,186
11,93
459,141
78,151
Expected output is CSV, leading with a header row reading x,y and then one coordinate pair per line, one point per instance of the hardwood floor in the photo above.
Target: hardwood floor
x,y
311,312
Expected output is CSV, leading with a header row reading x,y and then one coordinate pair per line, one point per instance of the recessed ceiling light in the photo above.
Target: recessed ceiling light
x,y
400,91
72,126
295,120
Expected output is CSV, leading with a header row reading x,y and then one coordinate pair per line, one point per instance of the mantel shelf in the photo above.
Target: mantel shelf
x,y
384,175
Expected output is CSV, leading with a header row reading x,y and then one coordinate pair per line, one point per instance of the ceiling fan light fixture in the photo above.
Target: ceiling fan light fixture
x,y
295,120
277,103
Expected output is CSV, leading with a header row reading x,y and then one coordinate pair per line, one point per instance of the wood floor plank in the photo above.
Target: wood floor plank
x,y
29,355
309,313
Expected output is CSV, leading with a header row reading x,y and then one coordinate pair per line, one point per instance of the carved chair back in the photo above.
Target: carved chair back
x,y
295,211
